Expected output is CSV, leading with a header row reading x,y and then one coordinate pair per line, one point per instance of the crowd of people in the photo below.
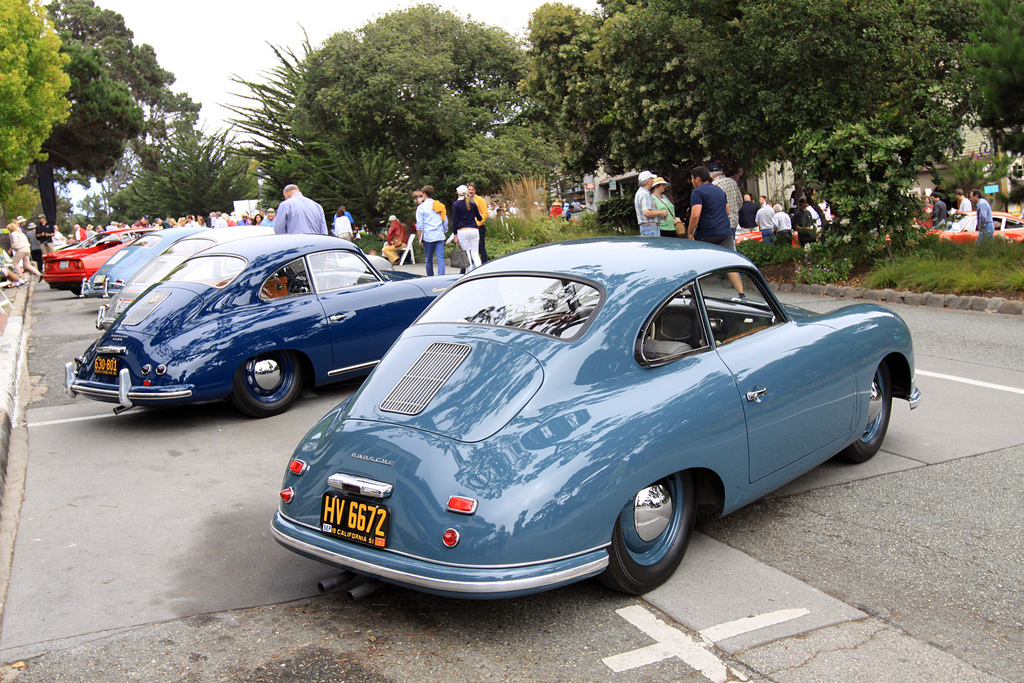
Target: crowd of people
x,y
467,219
719,211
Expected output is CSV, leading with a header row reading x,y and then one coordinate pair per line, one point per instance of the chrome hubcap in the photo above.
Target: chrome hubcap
x,y
874,406
266,373
652,512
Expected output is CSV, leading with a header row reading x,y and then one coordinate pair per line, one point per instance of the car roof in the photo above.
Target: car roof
x,y
285,246
621,262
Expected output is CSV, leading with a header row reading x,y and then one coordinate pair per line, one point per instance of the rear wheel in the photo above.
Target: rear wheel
x,y
879,410
651,535
267,384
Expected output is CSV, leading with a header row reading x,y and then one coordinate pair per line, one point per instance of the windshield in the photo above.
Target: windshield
x,y
958,222
551,306
212,271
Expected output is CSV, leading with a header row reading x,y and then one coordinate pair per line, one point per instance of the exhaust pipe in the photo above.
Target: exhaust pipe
x,y
367,587
348,579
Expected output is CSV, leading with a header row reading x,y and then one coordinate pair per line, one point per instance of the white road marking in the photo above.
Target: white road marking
x,y
47,423
674,643
964,380
671,643
729,629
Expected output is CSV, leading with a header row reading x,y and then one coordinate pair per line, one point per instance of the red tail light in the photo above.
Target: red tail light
x,y
462,505
450,538
288,494
298,467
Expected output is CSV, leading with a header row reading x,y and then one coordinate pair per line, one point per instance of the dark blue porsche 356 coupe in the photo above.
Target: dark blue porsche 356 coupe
x,y
252,320
564,411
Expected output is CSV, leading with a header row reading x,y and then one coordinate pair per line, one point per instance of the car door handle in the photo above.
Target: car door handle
x,y
755,395
338,317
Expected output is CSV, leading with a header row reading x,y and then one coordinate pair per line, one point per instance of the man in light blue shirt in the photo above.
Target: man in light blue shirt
x,y
268,218
297,215
986,227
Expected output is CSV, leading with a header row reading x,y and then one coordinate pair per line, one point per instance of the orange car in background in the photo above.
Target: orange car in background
x,y
963,227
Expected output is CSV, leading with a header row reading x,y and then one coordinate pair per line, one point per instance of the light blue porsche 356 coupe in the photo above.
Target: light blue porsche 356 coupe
x,y
565,411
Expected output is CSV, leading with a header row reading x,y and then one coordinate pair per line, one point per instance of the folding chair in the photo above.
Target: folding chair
x,y
408,250
5,302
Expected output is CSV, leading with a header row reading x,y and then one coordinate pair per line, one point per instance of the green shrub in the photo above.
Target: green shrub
x,y
618,212
767,254
828,261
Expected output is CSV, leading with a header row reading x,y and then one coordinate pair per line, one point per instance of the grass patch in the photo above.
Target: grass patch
x,y
945,267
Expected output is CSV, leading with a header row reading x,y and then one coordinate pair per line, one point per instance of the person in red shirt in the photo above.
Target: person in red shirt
x,y
395,241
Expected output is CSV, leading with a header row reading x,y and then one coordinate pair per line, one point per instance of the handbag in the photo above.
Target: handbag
x,y
459,258
680,227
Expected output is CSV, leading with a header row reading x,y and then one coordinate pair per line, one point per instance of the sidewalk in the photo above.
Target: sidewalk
x,y
12,348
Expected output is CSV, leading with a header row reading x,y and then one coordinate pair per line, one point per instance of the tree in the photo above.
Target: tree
x,y
746,81
997,49
420,82
32,87
120,95
197,173
420,87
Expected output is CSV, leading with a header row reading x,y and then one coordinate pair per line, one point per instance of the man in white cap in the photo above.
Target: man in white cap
x,y
647,216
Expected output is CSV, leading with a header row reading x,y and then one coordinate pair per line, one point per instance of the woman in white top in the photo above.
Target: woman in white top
x,y
342,225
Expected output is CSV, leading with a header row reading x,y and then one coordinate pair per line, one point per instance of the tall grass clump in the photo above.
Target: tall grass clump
x,y
529,194
944,266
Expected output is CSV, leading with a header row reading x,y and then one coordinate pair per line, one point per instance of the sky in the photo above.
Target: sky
x,y
204,43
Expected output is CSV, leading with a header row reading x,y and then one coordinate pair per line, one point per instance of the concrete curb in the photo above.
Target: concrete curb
x,y
12,346
891,296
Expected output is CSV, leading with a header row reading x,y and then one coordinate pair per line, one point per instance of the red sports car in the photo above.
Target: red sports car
x,y
69,267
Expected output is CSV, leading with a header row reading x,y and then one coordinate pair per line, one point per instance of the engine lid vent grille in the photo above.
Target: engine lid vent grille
x,y
425,378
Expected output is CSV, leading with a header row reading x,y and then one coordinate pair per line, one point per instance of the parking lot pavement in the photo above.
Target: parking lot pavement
x,y
143,553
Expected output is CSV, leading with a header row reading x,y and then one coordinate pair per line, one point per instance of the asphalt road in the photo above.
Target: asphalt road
x,y
143,551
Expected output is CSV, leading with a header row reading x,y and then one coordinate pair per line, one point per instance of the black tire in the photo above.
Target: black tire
x,y
267,384
879,411
76,290
636,565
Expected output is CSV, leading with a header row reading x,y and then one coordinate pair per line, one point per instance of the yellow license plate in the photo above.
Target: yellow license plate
x,y
105,366
354,520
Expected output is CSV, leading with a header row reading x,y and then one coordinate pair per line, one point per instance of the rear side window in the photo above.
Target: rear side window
x,y
674,330
212,271
286,281
555,307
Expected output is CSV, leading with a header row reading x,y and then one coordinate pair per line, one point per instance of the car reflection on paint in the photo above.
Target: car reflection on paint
x,y
564,412
252,320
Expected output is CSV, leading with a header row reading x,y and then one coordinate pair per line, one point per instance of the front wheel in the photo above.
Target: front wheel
x,y
651,535
267,384
879,409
